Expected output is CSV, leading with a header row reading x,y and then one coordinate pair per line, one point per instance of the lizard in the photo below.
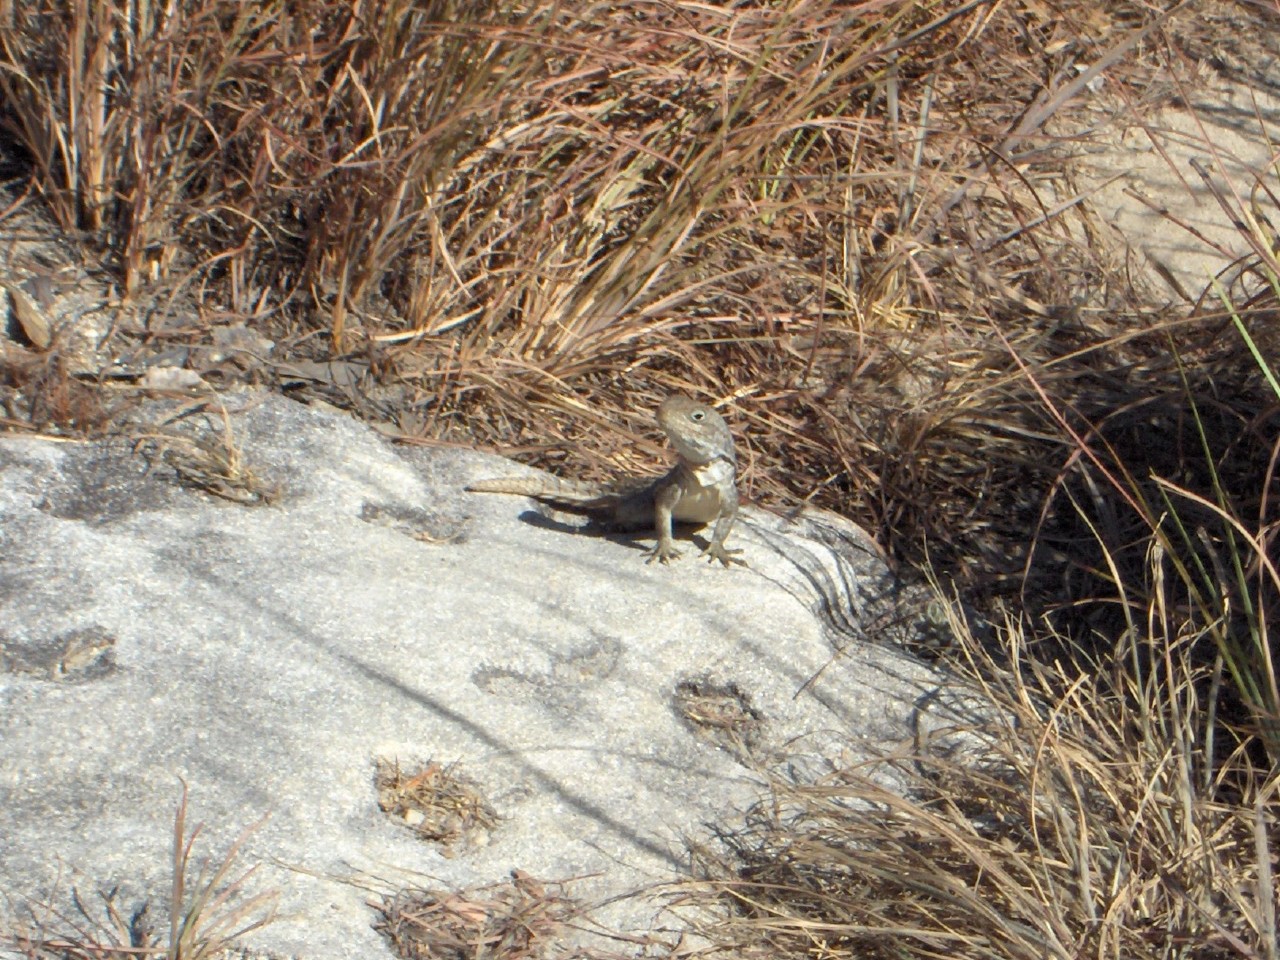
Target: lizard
x,y
700,488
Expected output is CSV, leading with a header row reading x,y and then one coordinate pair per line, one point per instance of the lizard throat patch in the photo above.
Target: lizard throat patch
x,y
713,474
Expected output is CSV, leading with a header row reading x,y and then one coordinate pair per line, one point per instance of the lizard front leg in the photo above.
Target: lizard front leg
x,y
716,550
664,504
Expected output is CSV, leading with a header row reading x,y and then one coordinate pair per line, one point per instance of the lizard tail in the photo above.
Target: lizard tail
x,y
565,493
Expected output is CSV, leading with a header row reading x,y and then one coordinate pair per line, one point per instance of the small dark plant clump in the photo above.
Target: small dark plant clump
x,y
721,713
521,919
437,802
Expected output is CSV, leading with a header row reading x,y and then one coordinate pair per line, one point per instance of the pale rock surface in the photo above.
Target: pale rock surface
x,y
270,655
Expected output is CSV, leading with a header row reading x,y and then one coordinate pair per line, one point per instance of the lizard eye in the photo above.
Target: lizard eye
x,y
697,416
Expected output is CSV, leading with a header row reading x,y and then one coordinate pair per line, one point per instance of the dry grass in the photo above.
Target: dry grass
x,y
210,910
437,802
38,393
1165,512
519,919
721,714
852,227
1073,819
210,459
820,215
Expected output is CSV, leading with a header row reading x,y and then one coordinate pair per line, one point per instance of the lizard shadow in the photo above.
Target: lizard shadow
x,y
590,526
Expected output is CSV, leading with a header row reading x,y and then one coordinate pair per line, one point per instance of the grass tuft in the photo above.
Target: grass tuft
x,y
1062,822
210,912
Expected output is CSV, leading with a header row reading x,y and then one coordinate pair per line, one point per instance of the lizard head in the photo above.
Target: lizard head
x,y
698,433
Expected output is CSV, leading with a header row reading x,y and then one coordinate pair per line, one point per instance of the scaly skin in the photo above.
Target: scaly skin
x,y
700,488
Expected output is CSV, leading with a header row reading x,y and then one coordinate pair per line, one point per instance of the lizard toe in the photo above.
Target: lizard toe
x,y
722,553
663,554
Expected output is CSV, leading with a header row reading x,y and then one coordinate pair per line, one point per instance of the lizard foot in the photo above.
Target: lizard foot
x,y
718,551
663,553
